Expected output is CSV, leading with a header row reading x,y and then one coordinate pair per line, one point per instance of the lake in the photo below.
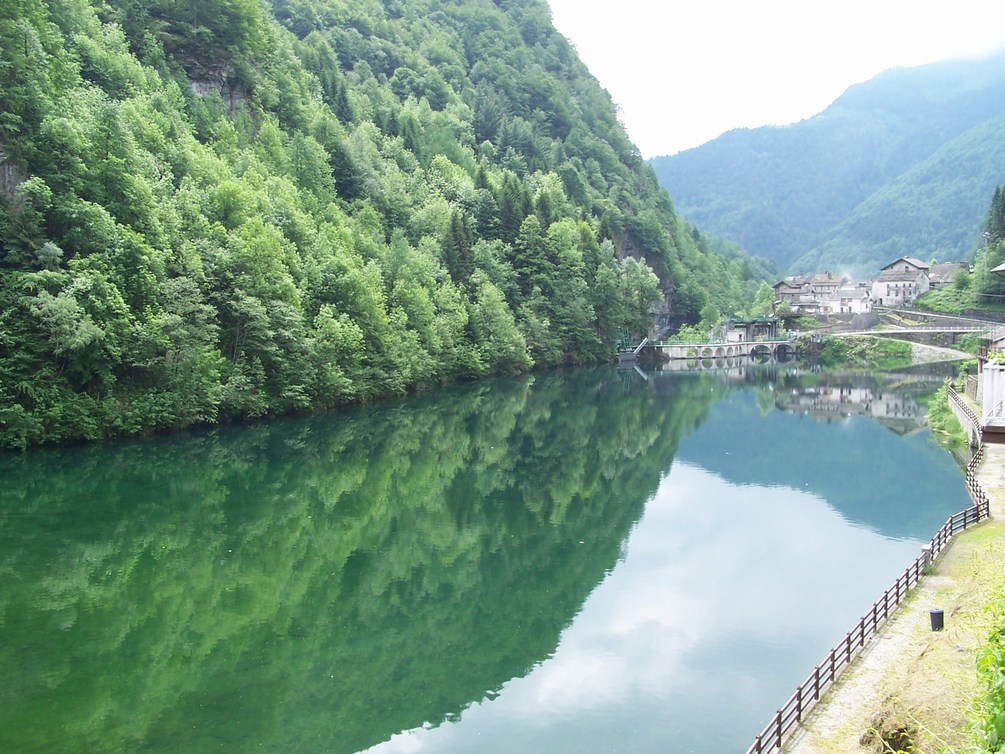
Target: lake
x,y
588,560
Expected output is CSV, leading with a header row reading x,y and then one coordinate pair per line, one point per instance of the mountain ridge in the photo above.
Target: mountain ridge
x,y
783,192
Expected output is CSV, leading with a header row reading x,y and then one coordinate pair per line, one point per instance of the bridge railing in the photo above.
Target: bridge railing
x,y
989,318
786,338
934,328
808,693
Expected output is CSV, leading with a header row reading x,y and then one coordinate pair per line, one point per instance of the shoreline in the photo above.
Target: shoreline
x,y
910,685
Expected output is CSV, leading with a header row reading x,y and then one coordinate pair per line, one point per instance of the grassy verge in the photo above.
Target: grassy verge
x,y
949,300
946,428
954,300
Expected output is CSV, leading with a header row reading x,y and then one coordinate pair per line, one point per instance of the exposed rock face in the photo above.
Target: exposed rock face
x,y
10,175
225,83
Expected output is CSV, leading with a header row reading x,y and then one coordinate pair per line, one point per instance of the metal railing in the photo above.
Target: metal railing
x,y
917,314
766,339
964,407
808,693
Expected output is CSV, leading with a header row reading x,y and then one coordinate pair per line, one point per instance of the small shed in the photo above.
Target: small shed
x,y
756,328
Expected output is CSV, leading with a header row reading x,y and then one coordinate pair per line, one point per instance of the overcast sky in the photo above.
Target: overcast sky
x,y
684,72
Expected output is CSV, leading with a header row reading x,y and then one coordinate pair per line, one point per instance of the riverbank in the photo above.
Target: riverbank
x,y
911,685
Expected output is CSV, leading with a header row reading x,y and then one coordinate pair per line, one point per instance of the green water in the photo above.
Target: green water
x,y
574,561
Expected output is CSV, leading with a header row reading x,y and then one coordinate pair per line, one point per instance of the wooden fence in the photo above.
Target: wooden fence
x,y
808,693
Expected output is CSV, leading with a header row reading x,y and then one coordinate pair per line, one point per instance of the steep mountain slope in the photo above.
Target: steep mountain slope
x,y
221,209
934,210
782,192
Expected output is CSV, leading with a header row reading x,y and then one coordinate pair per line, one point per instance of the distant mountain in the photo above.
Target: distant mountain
x,y
904,164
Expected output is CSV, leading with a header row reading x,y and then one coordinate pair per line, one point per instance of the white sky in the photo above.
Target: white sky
x,y
685,72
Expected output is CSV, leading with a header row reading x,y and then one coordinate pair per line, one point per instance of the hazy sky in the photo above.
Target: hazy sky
x,y
684,72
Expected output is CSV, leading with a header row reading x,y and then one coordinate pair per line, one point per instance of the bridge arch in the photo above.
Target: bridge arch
x,y
698,352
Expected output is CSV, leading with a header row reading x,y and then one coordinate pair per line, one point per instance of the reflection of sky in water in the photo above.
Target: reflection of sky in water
x,y
726,599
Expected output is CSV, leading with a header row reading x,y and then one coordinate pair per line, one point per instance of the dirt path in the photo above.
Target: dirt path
x,y
910,678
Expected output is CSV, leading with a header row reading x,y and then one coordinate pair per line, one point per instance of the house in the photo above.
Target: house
x,y
908,263
901,282
942,275
854,298
810,294
825,286
758,328
794,291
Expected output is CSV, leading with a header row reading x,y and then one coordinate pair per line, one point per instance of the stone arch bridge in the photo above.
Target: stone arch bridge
x,y
752,349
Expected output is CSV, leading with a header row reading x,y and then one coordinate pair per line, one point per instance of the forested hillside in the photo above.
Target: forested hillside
x,y
934,210
224,209
903,164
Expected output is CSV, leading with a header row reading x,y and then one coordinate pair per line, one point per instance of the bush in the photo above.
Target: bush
x,y
943,422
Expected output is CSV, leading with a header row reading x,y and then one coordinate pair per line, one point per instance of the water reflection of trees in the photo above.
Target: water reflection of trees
x,y
318,584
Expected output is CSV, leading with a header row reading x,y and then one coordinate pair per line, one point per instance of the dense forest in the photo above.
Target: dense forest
x,y
980,287
985,283
901,165
216,210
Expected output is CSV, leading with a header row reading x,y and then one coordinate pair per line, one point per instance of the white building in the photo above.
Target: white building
x,y
900,282
854,298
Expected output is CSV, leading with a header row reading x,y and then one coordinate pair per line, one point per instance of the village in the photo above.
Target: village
x,y
898,284
838,298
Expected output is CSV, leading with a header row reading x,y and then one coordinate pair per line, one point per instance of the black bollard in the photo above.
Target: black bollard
x,y
938,619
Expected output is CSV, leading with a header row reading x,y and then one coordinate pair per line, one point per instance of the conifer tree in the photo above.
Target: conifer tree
x,y
996,217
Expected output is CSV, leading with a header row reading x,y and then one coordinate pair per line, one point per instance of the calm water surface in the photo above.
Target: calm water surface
x,y
582,561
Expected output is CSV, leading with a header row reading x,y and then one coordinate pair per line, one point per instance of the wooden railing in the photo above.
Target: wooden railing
x,y
808,693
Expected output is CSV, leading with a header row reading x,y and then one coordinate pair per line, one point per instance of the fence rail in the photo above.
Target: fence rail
x,y
963,406
972,316
808,693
